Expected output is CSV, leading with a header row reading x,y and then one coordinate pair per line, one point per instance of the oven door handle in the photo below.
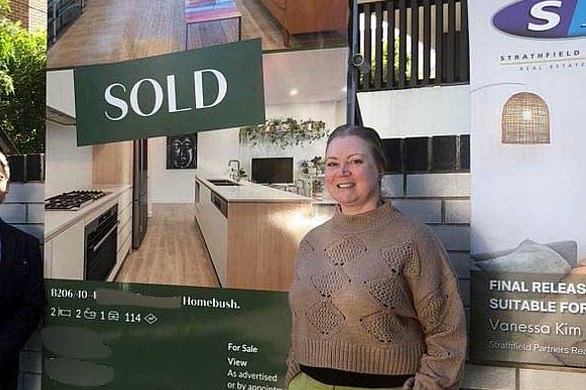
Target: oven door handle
x,y
99,244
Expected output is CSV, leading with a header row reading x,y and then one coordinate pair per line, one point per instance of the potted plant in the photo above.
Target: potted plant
x,y
319,163
304,164
284,132
317,189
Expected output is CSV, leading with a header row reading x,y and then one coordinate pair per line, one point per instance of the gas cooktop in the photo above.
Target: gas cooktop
x,y
73,200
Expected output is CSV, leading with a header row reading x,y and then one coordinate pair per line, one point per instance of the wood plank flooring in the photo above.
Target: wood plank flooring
x,y
172,252
212,33
113,31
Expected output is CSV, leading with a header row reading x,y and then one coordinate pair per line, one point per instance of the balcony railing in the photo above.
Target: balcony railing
x,y
413,43
60,15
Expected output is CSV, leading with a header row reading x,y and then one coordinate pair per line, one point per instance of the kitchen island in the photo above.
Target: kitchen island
x,y
252,232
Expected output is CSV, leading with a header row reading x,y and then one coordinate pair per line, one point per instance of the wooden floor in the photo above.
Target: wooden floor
x,y
172,252
113,31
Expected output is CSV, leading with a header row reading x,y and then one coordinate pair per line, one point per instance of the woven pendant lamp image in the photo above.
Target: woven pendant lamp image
x,y
525,120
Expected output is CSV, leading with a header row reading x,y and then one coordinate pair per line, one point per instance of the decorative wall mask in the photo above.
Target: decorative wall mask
x,y
182,151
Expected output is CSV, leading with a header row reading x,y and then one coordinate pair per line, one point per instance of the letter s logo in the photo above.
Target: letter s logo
x,y
116,102
545,19
539,12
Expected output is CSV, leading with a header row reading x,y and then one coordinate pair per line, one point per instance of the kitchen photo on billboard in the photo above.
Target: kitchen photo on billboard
x,y
207,208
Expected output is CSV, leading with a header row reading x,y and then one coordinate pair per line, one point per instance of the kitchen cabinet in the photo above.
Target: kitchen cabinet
x,y
252,233
112,163
65,234
124,240
263,241
64,254
214,227
308,16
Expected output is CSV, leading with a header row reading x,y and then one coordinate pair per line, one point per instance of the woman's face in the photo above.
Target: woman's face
x,y
352,174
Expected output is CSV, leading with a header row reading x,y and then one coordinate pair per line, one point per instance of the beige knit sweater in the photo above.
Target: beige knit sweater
x,y
375,293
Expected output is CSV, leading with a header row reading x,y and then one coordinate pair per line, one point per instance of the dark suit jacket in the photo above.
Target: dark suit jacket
x,y
22,297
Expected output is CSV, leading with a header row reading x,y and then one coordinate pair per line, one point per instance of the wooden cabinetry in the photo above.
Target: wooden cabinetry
x,y
112,163
308,16
263,239
252,246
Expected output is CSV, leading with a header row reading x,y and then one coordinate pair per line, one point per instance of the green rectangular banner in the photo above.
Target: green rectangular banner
x,y
115,336
197,90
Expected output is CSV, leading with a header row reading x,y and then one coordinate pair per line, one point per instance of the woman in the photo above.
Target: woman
x,y
374,299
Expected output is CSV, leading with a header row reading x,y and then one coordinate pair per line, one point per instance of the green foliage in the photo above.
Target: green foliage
x,y
284,132
5,50
385,58
317,164
22,84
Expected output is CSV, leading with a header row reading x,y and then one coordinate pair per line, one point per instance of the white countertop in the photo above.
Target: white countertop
x,y
57,221
250,192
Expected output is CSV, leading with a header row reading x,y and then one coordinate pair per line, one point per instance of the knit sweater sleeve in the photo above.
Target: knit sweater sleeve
x,y
292,368
441,315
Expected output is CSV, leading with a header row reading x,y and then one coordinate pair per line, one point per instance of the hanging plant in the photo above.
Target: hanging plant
x,y
284,132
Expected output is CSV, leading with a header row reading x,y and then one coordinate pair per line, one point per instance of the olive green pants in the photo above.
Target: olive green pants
x,y
303,381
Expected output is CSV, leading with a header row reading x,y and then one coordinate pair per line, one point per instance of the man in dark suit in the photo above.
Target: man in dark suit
x,y
22,296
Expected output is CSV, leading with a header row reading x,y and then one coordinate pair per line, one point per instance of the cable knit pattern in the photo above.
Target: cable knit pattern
x,y
375,293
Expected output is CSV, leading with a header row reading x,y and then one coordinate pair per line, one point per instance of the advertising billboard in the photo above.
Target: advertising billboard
x,y
199,299
528,62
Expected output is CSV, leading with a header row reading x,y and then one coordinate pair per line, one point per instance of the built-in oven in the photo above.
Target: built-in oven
x,y
101,239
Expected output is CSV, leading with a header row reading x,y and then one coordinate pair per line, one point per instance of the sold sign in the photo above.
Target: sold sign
x,y
197,90
153,86
543,19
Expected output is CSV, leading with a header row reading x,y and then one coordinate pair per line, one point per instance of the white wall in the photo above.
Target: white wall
x,y
332,113
68,167
216,148
418,111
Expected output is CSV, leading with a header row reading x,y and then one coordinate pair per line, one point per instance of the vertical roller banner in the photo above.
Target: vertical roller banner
x,y
528,240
